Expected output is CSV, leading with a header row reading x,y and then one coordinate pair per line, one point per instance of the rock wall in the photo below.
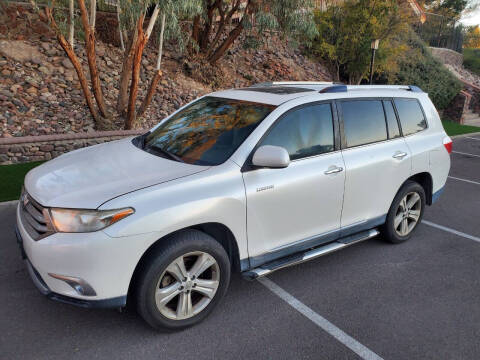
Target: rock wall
x,y
447,56
457,107
40,93
474,91
46,147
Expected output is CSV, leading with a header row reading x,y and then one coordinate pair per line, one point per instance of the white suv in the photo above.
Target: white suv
x,y
247,180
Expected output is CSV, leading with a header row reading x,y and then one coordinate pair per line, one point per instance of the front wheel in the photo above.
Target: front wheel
x,y
405,213
182,281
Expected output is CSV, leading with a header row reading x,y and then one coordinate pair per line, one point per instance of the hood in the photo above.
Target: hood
x,y
88,177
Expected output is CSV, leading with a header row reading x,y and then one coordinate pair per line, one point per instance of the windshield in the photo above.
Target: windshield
x,y
208,131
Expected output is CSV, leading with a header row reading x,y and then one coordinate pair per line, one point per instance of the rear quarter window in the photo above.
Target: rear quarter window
x,y
411,116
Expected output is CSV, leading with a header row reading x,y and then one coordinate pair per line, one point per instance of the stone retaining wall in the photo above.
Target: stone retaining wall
x,y
37,148
447,56
457,107
475,92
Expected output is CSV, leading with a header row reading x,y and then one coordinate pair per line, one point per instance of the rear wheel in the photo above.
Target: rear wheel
x,y
182,281
405,213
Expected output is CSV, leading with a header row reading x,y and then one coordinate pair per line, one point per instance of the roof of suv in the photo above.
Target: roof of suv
x,y
274,95
277,93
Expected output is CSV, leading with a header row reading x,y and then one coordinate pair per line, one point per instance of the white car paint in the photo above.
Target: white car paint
x,y
88,177
266,210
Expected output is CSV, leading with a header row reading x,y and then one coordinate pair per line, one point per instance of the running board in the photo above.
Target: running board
x,y
301,257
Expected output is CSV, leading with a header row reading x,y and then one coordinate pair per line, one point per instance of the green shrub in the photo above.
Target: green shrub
x,y
417,66
471,60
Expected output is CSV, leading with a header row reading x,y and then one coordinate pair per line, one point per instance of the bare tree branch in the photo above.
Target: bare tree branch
x,y
91,57
119,10
158,73
71,21
47,17
93,13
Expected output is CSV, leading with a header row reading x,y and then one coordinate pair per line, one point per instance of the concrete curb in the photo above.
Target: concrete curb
x,y
463,135
8,203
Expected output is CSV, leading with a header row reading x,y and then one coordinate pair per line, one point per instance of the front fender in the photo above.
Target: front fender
x,y
216,195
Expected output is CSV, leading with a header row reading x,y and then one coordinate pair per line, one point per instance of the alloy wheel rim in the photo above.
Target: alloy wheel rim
x,y
407,214
187,285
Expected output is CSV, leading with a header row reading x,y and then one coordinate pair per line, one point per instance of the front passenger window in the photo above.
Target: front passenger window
x,y
304,132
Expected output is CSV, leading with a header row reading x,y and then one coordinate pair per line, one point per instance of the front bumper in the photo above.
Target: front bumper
x,y
106,263
119,301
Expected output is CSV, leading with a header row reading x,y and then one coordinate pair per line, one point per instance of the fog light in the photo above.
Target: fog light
x,y
79,285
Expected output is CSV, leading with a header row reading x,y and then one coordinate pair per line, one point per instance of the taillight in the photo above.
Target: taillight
x,y
447,142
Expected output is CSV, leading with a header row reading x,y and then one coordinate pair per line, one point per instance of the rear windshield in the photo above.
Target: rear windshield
x,y
208,131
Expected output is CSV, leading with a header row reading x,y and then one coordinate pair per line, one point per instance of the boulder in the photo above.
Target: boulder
x,y
67,63
19,51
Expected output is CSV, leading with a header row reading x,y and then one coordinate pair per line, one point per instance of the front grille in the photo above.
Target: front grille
x,y
35,218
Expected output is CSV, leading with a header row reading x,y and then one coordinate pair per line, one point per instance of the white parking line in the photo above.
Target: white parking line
x,y
450,230
469,137
465,180
345,339
462,153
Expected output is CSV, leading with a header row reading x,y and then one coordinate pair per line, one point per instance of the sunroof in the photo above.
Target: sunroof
x,y
279,90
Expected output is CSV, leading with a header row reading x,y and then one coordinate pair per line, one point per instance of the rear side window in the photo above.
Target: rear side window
x,y
411,116
393,130
363,122
304,132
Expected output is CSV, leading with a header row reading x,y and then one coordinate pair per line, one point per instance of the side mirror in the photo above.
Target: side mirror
x,y
271,157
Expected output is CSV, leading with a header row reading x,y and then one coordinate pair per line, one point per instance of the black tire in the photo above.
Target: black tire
x,y
155,265
388,230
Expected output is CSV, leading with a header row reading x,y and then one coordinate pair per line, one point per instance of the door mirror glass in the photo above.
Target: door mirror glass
x,y
271,157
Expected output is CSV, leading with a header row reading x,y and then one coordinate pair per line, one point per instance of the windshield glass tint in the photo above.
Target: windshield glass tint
x,y
208,131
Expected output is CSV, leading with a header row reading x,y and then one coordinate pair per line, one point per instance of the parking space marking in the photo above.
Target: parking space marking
x,y
450,230
324,324
465,180
469,137
462,153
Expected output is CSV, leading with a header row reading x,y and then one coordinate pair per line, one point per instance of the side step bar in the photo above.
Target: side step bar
x,y
301,257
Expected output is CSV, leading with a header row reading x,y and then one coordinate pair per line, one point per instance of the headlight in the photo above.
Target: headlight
x,y
72,220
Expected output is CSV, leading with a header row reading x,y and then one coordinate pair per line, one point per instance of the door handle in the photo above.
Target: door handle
x,y
399,155
333,170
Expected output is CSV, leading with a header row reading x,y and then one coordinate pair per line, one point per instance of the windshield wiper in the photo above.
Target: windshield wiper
x,y
163,152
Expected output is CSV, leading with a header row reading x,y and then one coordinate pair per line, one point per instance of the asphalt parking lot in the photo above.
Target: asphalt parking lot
x,y
417,300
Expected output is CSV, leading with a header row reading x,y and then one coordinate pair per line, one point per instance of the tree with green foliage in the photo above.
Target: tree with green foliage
x,y
221,22
346,31
472,37
450,8
417,66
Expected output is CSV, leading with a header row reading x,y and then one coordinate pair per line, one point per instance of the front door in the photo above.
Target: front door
x,y
289,209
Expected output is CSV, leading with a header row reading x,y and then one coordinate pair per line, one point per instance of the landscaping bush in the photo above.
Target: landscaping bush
x,y
471,60
417,66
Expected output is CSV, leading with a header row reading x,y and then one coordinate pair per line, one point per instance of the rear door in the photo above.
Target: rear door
x,y
289,208
377,161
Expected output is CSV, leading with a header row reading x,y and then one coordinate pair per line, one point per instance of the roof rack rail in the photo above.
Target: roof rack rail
x,y
334,89
286,83
345,88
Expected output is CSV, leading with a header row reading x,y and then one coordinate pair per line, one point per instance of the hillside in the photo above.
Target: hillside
x,y
40,93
